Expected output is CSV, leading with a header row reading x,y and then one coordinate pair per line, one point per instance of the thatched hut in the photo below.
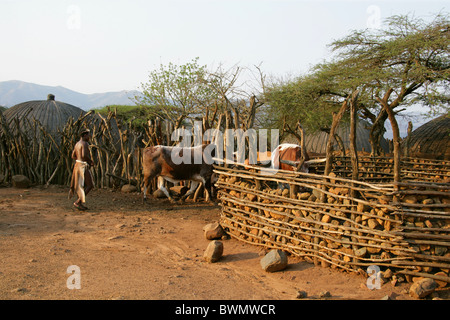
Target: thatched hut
x,y
431,140
51,114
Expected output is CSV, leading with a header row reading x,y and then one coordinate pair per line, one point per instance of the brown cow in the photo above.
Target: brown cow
x,y
287,156
176,164
261,157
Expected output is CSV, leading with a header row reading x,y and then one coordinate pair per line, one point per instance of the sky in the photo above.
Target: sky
x,y
99,46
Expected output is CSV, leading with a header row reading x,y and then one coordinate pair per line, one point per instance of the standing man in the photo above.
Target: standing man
x,y
82,181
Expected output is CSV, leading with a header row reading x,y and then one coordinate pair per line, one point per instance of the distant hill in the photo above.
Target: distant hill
x,y
14,92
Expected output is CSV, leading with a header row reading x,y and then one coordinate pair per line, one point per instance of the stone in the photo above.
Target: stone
x,y
361,252
20,181
372,223
325,294
410,199
440,250
422,288
304,196
115,237
301,294
388,274
213,252
213,231
275,260
362,207
159,194
441,283
252,197
128,188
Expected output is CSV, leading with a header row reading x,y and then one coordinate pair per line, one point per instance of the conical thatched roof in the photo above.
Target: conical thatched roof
x,y
432,139
52,114
317,142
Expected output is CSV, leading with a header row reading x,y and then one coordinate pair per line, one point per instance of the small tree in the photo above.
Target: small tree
x,y
175,92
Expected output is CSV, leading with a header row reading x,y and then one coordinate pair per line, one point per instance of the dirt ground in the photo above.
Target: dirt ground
x,y
127,250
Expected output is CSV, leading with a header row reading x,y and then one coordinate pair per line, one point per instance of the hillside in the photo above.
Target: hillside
x,y
14,92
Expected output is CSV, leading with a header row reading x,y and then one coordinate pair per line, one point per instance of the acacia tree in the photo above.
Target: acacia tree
x,y
404,64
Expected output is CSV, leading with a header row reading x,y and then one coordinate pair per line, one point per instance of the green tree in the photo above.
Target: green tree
x,y
401,65
136,116
405,64
176,92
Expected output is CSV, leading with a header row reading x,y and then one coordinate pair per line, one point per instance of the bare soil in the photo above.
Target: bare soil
x,y
129,250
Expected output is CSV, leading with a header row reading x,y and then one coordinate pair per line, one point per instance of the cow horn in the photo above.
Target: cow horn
x,y
289,162
308,162
316,161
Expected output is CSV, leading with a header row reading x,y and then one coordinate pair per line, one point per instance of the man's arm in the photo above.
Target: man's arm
x,y
86,154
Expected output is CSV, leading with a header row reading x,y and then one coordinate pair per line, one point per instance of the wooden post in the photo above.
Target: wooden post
x,y
395,140
353,151
329,152
407,143
294,188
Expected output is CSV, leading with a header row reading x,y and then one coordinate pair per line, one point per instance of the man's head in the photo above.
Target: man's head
x,y
86,134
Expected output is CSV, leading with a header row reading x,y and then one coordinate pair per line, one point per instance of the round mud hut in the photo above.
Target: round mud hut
x,y
51,114
431,140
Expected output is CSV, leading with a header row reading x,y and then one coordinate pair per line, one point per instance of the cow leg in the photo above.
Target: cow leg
x,y
163,189
147,180
207,185
194,185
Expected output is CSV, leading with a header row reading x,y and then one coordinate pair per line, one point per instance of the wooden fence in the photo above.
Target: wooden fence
x,y
45,158
342,223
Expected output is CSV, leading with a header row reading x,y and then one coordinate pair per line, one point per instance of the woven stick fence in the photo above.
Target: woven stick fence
x,y
45,158
380,169
401,226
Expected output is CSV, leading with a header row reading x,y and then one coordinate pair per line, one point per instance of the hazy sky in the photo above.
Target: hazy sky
x,y
98,46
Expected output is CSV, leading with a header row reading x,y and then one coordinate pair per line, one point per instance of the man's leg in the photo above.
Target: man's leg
x,y
88,185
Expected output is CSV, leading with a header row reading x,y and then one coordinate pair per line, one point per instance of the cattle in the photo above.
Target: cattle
x,y
261,157
287,156
175,164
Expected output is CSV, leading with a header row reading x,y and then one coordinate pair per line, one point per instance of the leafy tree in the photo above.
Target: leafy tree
x,y
176,92
193,92
399,66
137,116
405,64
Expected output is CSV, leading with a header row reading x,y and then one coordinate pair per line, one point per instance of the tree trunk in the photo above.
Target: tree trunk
x,y
329,153
376,133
